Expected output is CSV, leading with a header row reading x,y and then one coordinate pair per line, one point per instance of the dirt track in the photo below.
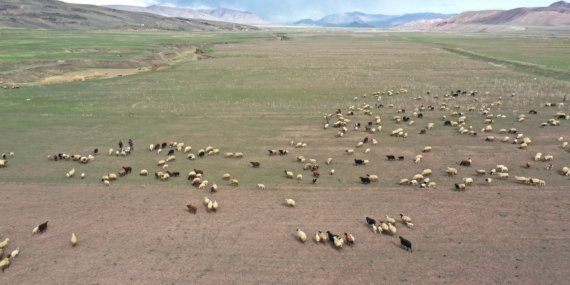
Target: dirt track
x,y
145,235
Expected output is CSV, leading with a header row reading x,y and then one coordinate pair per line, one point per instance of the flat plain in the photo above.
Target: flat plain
x,y
257,93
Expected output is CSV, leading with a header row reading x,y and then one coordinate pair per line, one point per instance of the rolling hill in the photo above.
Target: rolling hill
x,y
220,14
358,19
52,14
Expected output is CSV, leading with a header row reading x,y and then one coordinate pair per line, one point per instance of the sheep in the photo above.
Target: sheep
x,y
468,181
196,182
538,156
426,172
165,166
329,160
289,174
112,176
565,169
349,151
367,150
192,208
165,176
255,164
406,243
418,177
505,139
427,149
392,229
405,219
548,158
349,239
5,262
300,158
229,154
488,181
5,242
299,177
307,166
523,146
413,182
459,186
161,162
490,138
390,220
261,186
404,181
503,175
451,171
373,177
521,179
290,202
374,142
214,188
238,155
226,176
171,158
143,172
431,185
234,182
564,144
111,151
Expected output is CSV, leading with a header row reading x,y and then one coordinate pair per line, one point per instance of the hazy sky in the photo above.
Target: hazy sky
x,y
293,10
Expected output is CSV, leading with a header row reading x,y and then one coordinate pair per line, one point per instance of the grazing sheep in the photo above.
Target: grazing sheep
x,y
564,145
5,263
301,235
229,154
299,177
161,162
165,166
255,164
548,158
459,186
289,174
427,149
226,176
261,186
390,220
144,172
165,176
367,150
404,181
192,208
332,171
468,181
349,151
392,229
374,141
418,177
488,181
405,243
290,202
171,158
111,151
373,177
465,162
426,172
112,176
39,229
503,175
481,171
413,182
329,160
234,182
431,185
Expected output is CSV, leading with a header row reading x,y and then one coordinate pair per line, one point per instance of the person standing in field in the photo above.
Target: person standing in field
x,y
120,146
131,144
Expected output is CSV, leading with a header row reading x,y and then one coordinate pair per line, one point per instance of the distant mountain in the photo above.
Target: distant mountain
x,y
220,14
557,14
359,19
52,14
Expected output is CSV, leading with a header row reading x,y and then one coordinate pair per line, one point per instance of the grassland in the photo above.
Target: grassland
x,y
255,94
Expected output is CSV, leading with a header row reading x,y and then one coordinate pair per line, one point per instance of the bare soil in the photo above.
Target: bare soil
x,y
144,234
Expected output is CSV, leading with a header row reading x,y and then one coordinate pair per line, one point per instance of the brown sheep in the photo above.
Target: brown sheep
x,y
316,173
255,164
192,208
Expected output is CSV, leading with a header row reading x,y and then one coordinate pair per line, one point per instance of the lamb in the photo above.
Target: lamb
x,y
289,174
261,186
405,243
290,202
234,182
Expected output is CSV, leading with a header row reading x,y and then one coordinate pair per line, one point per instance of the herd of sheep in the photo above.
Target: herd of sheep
x,y
371,128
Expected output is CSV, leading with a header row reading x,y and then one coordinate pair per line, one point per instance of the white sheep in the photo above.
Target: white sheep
x,y
329,160
548,158
187,149
367,150
107,183
261,186
144,172
290,202
431,185
332,171
300,177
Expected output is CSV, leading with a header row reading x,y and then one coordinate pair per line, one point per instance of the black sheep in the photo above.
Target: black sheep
x,y
365,180
370,221
400,158
420,115
176,174
201,154
358,161
43,227
315,180
170,152
164,145
331,236
365,140
96,151
447,123
391,157
405,243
